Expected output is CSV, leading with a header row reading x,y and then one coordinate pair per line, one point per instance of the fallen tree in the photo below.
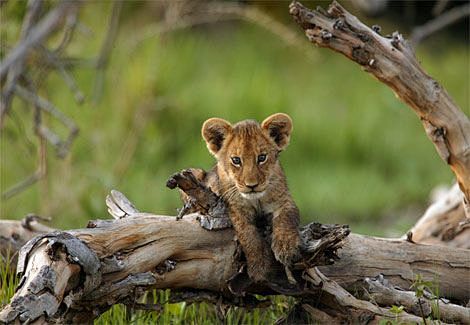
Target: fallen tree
x,y
74,276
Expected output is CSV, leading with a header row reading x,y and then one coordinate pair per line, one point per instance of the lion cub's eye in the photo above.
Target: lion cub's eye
x,y
236,161
261,158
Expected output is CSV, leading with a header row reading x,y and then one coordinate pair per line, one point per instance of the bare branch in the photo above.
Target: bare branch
x,y
356,307
24,184
61,146
71,23
439,7
384,294
444,222
214,12
447,18
45,27
103,58
33,9
39,174
55,61
392,61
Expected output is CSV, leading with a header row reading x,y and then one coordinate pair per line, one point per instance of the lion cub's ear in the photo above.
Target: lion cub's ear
x,y
215,131
279,127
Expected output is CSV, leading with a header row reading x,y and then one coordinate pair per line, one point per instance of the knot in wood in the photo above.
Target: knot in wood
x,y
339,24
439,132
377,29
326,35
303,16
361,55
396,39
421,307
293,10
363,37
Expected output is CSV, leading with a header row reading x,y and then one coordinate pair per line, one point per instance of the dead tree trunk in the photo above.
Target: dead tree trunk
x,y
116,261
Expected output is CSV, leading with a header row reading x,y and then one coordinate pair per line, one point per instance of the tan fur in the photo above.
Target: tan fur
x,y
254,189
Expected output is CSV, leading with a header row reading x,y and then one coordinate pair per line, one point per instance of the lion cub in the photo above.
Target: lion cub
x,y
249,177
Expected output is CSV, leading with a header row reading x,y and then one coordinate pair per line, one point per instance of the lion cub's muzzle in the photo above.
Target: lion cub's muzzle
x,y
252,191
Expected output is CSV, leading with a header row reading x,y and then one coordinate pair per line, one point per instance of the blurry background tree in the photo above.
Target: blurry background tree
x,y
138,78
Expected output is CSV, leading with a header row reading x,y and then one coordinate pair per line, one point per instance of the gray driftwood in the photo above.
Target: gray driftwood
x,y
380,291
116,261
444,222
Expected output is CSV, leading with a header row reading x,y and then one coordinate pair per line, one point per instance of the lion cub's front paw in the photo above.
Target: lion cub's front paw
x,y
286,248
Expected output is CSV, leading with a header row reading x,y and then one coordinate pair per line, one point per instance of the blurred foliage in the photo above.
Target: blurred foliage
x,y
357,155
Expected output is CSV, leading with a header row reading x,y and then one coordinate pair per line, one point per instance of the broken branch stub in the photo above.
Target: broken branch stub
x,y
198,198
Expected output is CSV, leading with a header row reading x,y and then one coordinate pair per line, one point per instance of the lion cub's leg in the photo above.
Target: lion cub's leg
x,y
257,252
286,238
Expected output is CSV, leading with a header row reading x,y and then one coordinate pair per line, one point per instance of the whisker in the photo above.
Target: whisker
x,y
229,193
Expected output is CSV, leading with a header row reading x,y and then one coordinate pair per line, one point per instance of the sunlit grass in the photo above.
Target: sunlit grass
x,y
8,280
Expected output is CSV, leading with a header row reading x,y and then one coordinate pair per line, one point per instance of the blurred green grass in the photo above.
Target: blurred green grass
x,y
357,154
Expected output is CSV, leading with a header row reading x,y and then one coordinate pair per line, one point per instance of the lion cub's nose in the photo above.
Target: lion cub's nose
x,y
251,185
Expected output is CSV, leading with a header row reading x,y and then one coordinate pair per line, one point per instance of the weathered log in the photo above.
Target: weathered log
x,y
91,269
116,261
381,292
373,250
444,222
392,61
359,311
14,234
400,261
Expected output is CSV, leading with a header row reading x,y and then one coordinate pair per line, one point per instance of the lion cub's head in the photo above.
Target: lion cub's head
x,y
248,152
